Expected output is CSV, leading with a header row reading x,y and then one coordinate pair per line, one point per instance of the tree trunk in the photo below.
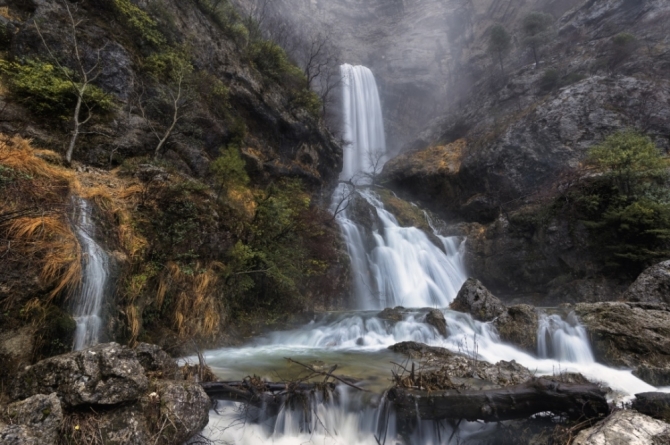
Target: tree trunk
x,y
514,402
76,123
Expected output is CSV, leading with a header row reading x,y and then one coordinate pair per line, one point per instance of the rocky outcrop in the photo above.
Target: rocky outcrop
x,y
35,420
476,300
518,325
652,286
107,384
105,374
392,314
653,404
448,370
631,335
435,318
626,427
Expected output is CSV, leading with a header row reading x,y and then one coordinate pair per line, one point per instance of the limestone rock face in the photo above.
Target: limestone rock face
x,y
626,427
518,325
652,286
154,359
105,374
653,404
633,335
476,300
35,420
436,319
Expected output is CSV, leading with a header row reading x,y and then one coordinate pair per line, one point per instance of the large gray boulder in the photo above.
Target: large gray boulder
x,y
156,361
435,318
631,335
35,420
476,300
626,427
652,286
104,374
518,326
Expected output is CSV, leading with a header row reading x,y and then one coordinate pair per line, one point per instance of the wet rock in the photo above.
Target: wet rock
x,y
436,319
448,370
626,427
652,286
182,406
476,300
125,426
154,359
35,420
104,374
631,335
392,314
653,404
518,326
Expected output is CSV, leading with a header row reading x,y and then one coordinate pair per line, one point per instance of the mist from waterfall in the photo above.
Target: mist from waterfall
x,y
87,305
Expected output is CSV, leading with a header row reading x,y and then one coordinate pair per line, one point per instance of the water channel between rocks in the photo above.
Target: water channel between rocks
x,y
391,266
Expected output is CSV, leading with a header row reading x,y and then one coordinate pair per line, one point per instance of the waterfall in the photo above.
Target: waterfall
x,y
363,123
87,306
405,267
563,340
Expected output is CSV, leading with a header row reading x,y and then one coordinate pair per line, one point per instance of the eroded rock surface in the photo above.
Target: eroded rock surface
x,y
632,335
626,427
435,318
476,300
35,420
652,286
518,325
104,374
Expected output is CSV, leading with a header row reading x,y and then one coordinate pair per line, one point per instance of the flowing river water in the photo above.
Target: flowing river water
x,y
391,266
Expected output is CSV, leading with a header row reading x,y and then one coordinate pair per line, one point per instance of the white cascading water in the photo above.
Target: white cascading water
x,y
87,305
402,266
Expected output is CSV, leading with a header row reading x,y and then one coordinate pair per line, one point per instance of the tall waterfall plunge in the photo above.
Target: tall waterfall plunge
x,y
405,268
87,306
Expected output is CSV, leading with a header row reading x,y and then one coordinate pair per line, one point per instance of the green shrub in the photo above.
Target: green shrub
x,y
308,100
139,22
45,90
168,65
624,39
229,170
627,206
270,59
550,80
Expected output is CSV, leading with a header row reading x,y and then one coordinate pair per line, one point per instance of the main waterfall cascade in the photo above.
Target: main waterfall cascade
x,y
87,306
402,266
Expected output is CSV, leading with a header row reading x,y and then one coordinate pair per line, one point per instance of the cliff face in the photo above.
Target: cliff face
x,y
222,221
522,136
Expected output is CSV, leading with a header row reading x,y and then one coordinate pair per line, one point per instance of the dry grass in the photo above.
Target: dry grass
x,y
195,308
16,153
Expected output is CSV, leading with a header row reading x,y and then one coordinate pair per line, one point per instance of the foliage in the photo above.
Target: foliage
x,y
45,90
536,28
226,18
623,46
228,169
139,22
309,100
269,58
627,206
500,43
550,79
168,65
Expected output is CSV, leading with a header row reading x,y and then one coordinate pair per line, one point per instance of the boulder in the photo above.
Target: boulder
x,y
631,335
35,420
392,314
126,426
436,319
626,427
183,407
518,325
654,404
104,374
154,360
443,369
476,300
652,286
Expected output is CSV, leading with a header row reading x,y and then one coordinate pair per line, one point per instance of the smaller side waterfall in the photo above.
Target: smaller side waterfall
x,y
87,306
563,340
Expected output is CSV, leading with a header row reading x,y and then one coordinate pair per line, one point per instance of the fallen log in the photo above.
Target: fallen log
x,y
265,394
576,401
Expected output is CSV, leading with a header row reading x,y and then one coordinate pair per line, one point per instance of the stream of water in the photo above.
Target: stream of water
x,y
87,305
401,266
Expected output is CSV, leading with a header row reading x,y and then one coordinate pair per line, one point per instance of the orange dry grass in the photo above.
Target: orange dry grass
x,y
196,309
49,239
17,154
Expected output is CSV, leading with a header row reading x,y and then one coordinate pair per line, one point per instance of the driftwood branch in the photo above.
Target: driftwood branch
x,y
576,401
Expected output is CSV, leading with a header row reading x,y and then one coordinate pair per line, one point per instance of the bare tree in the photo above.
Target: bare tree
x,y
82,86
376,158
